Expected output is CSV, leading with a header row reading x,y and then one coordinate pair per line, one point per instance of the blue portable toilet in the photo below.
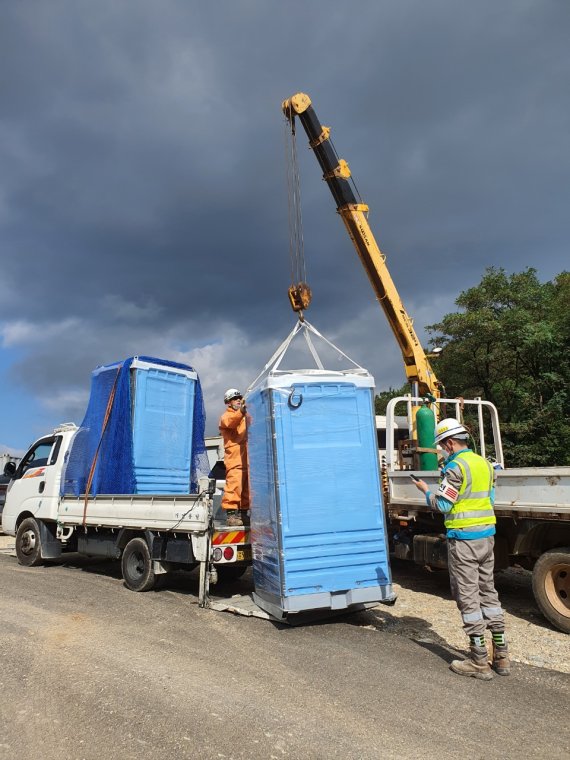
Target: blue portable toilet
x,y
163,416
318,526
143,431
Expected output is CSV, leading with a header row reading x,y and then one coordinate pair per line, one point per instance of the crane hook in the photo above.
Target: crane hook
x,y
300,298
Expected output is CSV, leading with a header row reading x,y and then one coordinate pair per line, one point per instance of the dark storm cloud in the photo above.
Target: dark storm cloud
x,y
142,196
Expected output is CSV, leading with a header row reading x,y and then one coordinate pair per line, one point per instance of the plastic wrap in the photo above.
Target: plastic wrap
x,y
318,528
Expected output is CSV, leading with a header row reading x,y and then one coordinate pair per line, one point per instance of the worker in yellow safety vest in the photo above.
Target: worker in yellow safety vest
x,y
465,494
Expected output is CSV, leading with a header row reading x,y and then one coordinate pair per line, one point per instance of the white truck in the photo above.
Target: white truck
x,y
150,534
532,506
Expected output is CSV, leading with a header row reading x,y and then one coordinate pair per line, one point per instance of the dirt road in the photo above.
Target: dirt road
x,y
425,611
91,670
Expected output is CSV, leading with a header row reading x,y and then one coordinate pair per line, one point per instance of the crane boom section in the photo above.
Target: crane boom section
x,y
336,173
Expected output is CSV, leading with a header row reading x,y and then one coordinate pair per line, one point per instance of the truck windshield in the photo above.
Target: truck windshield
x,y
38,456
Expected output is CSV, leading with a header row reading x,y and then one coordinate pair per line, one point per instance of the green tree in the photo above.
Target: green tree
x,y
382,398
510,345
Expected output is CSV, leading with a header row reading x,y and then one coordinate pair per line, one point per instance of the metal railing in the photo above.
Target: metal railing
x,y
458,405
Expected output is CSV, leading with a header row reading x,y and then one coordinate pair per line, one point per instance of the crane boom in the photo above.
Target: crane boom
x,y
337,174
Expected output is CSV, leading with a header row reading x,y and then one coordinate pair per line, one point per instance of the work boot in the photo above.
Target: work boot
x,y
501,660
475,665
244,516
233,518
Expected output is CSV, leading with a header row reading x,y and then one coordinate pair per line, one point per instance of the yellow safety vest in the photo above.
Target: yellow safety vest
x,y
473,507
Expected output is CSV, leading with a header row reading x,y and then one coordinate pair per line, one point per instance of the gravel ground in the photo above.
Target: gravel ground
x,y
426,613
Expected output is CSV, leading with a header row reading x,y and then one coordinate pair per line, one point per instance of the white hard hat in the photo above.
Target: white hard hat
x,y
230,394
450,428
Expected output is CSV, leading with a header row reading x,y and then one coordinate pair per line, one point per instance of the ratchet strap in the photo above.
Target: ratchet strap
x,y
96,455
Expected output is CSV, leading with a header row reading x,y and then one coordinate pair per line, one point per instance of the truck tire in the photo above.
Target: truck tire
x,y
136,566
28,543
551,586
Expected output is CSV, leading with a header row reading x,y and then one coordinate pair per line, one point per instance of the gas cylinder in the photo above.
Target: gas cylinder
x,y
425,425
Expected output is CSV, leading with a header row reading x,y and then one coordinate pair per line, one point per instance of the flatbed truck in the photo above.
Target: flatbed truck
x,y
151,534
532,506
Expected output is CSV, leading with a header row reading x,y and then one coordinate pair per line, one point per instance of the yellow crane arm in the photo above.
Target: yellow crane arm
x,y
336,173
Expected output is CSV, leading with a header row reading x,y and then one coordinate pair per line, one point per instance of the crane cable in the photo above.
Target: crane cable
x,y
299,292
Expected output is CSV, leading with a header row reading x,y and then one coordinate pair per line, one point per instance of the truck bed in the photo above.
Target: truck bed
x,y
539,492
184,513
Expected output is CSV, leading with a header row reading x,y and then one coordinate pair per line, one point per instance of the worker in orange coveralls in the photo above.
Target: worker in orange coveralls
x,y
233,430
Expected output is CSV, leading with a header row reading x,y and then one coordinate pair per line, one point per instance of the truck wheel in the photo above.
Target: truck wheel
x,y
28,543
551,586
229,573
136,566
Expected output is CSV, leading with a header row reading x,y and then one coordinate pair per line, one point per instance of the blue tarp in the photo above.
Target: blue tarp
x,y
112,446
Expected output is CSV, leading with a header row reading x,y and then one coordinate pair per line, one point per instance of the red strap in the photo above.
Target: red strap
x,y
94,463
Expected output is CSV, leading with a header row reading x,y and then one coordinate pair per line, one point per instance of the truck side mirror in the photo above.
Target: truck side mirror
x,y
10,469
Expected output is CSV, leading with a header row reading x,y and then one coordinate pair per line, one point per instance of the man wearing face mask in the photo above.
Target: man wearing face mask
x,y
465,494
234,432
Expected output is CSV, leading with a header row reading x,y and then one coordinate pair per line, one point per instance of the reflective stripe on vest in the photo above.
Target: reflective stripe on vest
x,y
473,507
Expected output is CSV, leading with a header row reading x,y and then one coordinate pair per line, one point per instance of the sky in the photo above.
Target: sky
x,y
143,202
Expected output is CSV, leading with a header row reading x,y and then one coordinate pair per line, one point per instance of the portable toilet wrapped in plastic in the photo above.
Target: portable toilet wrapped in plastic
x,y
318,526
143,431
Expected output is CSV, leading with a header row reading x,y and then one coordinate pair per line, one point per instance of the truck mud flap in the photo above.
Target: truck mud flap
x,y
50,545
168,548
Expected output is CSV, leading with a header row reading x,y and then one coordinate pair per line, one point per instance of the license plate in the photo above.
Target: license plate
x,y
243,555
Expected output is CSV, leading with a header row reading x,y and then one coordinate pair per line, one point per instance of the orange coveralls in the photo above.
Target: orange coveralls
x,y
233,430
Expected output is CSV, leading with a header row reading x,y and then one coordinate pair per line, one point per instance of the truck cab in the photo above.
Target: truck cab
x,y
34,487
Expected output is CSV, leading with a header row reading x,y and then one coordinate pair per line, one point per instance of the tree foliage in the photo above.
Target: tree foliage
x,y
382,398
509,344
